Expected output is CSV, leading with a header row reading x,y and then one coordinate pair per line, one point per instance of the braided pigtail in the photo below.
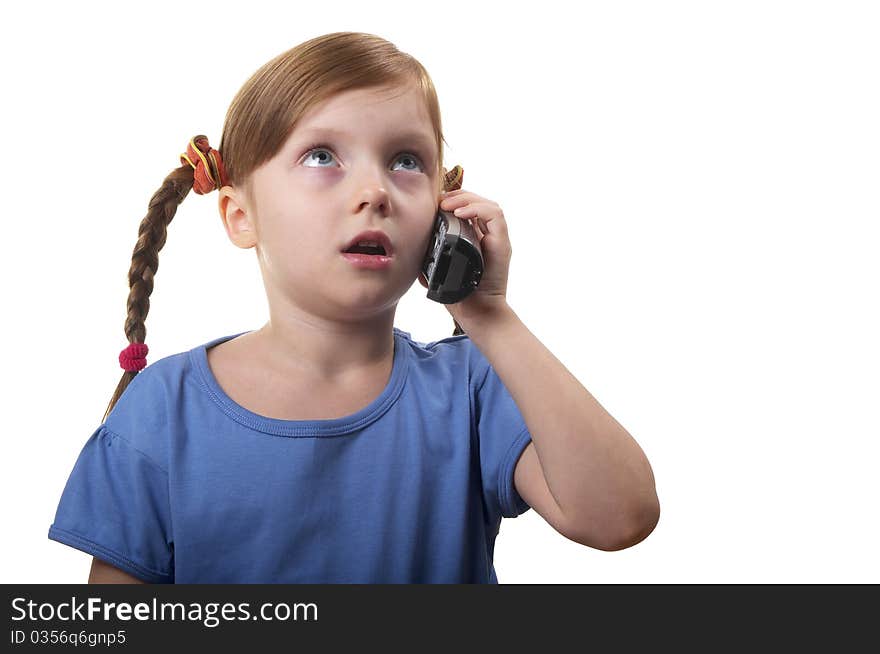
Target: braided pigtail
x,y
451,182
202,166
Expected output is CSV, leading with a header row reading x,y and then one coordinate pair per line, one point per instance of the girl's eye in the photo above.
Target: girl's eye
x,y
322,155
323,158
405,156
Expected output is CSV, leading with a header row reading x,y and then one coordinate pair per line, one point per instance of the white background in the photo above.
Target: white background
x,y
692,196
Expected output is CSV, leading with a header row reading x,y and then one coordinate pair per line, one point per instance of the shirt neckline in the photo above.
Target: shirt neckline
x,y
198,357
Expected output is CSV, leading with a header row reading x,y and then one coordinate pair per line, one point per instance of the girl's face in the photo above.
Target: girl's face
x,y
362,160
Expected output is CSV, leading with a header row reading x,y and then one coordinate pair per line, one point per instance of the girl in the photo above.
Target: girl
x,y
328,446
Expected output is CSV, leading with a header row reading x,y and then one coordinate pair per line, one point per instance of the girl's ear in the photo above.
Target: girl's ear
x,y
237,221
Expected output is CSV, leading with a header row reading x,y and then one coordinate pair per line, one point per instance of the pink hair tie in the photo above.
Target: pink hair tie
x,y
134,357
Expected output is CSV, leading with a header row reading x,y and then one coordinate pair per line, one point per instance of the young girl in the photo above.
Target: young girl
x,y
328,446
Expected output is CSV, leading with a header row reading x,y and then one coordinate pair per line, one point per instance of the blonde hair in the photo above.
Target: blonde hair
x,y
258,122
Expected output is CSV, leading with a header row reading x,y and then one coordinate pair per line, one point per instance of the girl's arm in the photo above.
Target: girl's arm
x,y
104,573
592,480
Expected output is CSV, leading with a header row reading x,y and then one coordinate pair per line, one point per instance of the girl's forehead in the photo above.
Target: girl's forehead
x,y
395,133
380,105
397,126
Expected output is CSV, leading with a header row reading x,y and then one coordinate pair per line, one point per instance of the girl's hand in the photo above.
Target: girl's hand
x,y
491,229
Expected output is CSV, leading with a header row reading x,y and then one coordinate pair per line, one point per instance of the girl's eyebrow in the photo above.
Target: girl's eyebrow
x,y
400,137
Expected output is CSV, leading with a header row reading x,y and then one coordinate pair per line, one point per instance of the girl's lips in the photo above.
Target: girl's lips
x,y
368,261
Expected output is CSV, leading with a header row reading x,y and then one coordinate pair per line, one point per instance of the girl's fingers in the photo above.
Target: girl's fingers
x,y
471,209
474,208
448,204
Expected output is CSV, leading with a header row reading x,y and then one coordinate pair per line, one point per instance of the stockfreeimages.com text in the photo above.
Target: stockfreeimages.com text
x,y
94,608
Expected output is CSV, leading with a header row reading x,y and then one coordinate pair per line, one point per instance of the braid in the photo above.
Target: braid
x,y
145,261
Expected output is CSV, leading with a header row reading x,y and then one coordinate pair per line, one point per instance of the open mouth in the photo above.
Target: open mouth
x,y
371,250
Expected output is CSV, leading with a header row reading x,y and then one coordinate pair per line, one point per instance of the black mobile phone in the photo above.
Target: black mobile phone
x,y
453,264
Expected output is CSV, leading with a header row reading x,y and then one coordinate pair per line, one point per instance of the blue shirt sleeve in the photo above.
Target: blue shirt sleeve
x,y
115,506
503,436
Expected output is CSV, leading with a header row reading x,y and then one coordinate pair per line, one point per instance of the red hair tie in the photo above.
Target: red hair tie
x,y
453,178
134,357
207,163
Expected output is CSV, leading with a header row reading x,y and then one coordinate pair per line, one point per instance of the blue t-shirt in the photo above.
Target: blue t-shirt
x,y
183,485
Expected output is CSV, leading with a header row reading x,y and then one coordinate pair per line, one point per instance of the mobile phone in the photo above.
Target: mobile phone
x,y
453,263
